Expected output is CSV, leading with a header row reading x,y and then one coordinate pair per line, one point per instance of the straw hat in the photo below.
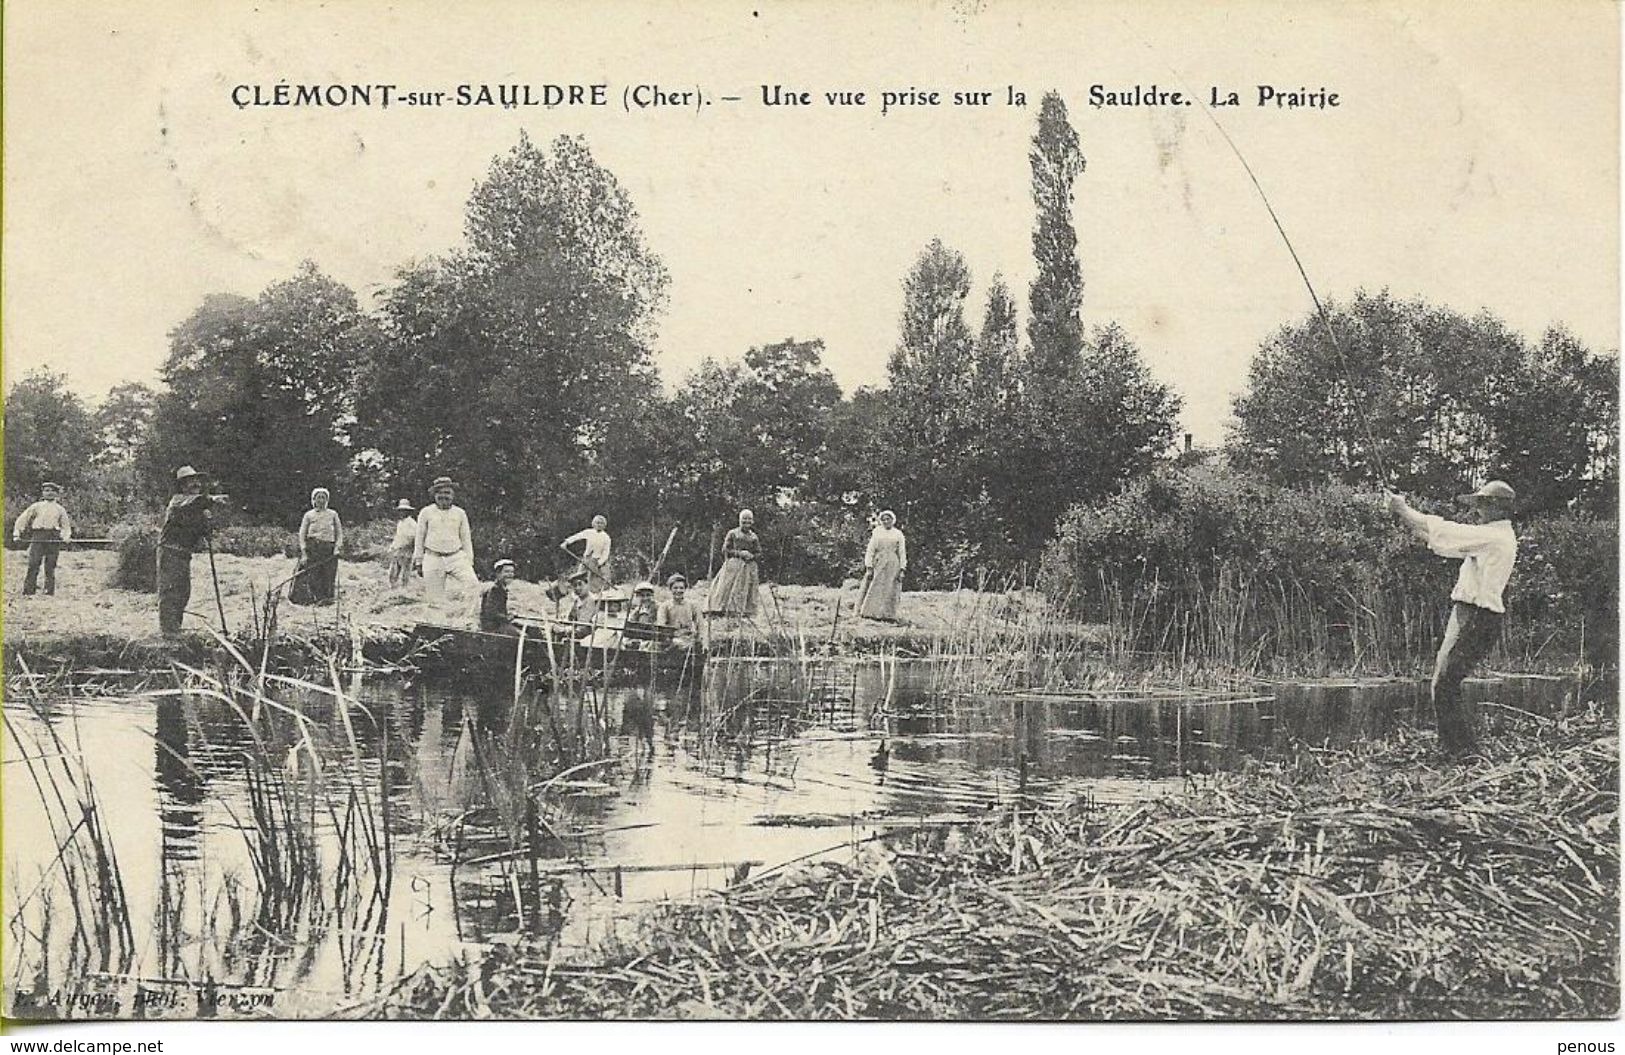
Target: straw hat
x,y
403,506
1495,490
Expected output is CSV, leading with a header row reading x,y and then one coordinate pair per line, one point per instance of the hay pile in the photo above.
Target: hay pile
x,y
1374,884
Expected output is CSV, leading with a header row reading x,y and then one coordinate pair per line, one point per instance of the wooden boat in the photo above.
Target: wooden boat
x,y
548,644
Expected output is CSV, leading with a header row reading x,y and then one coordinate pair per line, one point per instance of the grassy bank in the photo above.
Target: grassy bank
x,y
1378,883
90,622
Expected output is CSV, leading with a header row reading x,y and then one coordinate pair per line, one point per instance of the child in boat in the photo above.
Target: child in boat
x,y
494,617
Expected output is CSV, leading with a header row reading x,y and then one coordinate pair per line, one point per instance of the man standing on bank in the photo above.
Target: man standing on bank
x,y
1487,548
46,528
445,546
187,522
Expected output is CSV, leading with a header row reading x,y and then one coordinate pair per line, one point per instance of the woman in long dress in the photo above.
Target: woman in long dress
x,y
320,535
734,590
884,562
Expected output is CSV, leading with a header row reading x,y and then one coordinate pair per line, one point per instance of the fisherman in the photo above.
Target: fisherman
x,y
444,549
594,556
1487,547
679,613
187,521
46,527
644,611
400,549
494,617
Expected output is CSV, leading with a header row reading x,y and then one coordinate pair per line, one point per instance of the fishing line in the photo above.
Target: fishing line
x,y
1373,450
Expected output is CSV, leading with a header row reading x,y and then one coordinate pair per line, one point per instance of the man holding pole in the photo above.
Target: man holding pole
x,y
1487,548
187,521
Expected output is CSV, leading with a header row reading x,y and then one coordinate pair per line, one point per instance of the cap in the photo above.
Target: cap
x,y
677,577
442,481
50,485
404,504
504,563
183,472
1495,489
644,587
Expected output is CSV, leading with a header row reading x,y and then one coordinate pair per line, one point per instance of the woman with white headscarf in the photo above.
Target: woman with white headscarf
x,y
884,562
320,535
733,592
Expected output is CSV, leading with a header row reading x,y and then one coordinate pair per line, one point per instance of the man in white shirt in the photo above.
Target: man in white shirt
x,y
445,548
402,549
46,527
594,556
1487,548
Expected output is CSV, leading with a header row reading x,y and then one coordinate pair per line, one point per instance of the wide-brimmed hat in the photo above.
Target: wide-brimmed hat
x,y
1495,490
184,472
441,482
404,505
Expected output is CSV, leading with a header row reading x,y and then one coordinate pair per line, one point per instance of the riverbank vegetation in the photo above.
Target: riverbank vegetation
x,y
1210,566
90,622
1374,883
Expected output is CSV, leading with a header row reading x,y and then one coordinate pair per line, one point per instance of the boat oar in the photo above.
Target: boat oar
x,y
654,573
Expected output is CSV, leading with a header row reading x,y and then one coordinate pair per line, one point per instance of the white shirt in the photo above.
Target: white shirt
x,y
443,532
44,515
406,534
597,544
1486,551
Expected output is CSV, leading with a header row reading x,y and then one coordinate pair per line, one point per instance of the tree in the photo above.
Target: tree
x,y
1090,415
50,434
1055,298
927,471
521,363
1429,401
124,428
124,423
261,392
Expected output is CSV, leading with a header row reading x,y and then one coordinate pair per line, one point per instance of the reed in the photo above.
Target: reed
x,y
1363,884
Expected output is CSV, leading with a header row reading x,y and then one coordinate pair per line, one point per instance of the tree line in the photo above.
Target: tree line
x,y
521,363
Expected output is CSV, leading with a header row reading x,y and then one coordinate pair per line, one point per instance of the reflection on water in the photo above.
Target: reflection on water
x,y
665,793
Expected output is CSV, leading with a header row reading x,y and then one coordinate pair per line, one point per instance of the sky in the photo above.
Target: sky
x,y
1473,162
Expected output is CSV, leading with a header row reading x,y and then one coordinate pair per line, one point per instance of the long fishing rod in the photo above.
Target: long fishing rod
x,y
1320,308
1374,450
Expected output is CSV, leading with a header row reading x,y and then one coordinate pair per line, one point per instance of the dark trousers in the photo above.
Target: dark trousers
x,y
1468,638
174,587
42,553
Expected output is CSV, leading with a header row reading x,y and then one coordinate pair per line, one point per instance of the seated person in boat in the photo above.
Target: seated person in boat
x,y
681,614
494,617
583,605
644,612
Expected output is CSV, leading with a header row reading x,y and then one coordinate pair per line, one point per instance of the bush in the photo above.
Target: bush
x,y
1212,564
137,567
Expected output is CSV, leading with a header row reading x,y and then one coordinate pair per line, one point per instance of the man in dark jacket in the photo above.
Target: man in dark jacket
x,y
187,522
